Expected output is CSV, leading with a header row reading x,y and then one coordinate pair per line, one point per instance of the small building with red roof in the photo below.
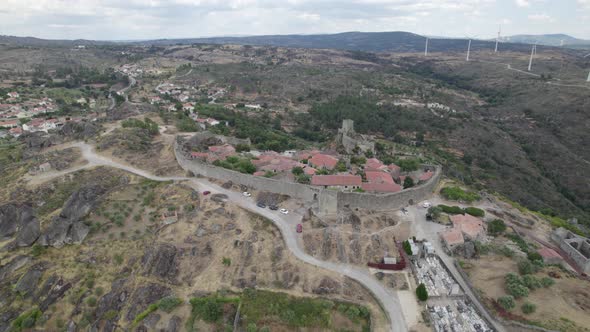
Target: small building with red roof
x,y
337,181
378,177
323,161
452,238
550,256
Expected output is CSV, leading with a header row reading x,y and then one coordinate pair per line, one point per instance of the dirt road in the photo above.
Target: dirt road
x,y
388,299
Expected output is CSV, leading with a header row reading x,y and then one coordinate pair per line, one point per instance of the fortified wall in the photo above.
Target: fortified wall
x,y
575,246
329,201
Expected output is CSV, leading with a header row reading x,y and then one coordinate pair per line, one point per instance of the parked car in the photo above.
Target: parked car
x,y
299,228
261,205
284,211
247,194
206,192
273,207
426,205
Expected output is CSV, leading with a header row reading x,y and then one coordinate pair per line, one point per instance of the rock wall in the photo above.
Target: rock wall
x,y
392,201
564,239
329,201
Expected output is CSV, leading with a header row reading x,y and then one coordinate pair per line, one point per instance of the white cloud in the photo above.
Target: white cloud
x,y
522,3
541,18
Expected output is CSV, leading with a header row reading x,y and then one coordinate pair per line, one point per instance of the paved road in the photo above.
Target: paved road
x,y
429,230
286,223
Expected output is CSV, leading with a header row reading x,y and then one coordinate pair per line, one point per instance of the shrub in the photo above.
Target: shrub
x,y
525,267
534,256
226,261
408,182
169,303
91,301
98,291
506,302
451,209
547,282
504,250
458,194
531,282
496,227
297,170
475,211
407,247
528,308
118,258
517,290
37,250
435,212
422,292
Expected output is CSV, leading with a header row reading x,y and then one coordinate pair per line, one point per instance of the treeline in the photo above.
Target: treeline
x,y
74,77
372,118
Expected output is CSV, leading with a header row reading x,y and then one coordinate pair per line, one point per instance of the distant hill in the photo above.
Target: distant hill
x,y
32,41
395,41
549,40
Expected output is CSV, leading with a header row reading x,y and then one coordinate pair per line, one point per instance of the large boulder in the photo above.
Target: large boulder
x,y
27,284
18,222
144,296
80,130
161,261
68,228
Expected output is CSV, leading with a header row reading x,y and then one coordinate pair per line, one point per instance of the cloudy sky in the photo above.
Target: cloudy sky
x,y
147,19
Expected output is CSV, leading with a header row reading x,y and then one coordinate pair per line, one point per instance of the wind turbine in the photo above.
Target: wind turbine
x,y
498,39
468,50
588,80
533,52
426,48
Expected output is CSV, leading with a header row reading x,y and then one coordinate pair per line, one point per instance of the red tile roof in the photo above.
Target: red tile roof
x,y
548,253
381,187
336,180
309,170
426,176
379,177
374,164
323,161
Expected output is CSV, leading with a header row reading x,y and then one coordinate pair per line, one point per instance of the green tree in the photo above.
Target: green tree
x,y
422,292
506,302
341,166
528,308
297,170
408,182
496,227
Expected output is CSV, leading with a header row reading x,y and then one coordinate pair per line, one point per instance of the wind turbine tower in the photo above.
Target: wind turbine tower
x,y
468,50
533,52
426,48
498,39
588,80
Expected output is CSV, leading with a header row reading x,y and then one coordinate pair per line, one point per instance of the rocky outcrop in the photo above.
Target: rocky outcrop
x,y
80,130
144,296
68,228
27,284
18,222
174,324
112,301
15,264
161,261
327,286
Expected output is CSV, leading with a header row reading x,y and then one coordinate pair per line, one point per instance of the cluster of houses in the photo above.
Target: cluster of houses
x,y
13,110
136,70
321,168
13,127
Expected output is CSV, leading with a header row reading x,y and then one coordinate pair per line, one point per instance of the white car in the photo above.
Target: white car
x,y
247,194
284,211
426,205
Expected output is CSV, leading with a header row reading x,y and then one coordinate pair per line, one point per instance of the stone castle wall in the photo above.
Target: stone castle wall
x,y
329,201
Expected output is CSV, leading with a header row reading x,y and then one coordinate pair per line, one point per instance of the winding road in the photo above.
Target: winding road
x,y
387,298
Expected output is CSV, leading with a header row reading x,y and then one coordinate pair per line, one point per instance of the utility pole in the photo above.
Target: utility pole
x,y
426,48
468,50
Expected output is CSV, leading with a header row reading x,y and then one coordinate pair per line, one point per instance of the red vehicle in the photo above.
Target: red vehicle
x,y
299,228
206,192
